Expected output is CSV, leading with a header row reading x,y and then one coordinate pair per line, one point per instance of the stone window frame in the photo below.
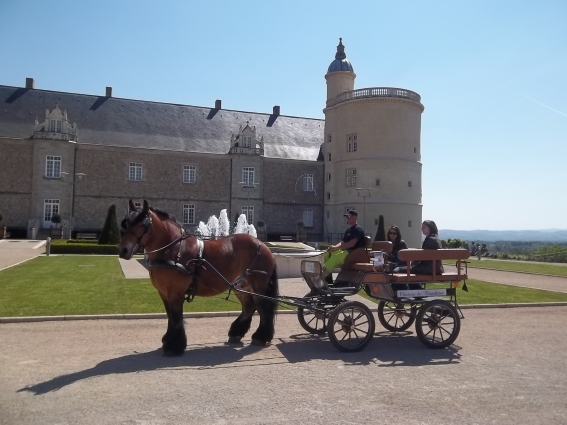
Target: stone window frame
x,y
308,217
187,169
55,126
351,177
378,182
248,176
329,138
307,183
188,213
409,183
329,157
246,141
133,168
52,167
352,142
248,211
53,203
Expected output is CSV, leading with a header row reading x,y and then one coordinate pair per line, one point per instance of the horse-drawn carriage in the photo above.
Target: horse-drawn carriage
x,y
428,300
182,266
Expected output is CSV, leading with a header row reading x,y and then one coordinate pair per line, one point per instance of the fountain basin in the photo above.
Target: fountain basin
x,y
289,264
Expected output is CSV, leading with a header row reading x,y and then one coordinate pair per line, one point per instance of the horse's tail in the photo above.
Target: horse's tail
x,y
271,307
274,288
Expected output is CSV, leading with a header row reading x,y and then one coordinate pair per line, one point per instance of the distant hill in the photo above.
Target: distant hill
x,y
552,235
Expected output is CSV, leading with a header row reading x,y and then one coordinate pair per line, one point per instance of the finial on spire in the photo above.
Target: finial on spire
x,y
340,50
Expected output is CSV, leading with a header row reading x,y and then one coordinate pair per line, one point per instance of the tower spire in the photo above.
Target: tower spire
x,y
340,50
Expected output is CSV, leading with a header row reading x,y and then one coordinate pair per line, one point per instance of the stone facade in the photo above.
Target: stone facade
x,y
279,169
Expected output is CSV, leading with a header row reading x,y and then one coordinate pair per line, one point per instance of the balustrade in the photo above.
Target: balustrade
x,y
376,92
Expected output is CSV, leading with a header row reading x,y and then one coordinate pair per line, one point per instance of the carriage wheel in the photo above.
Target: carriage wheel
x,y
438,324
351,326
312,321
396,317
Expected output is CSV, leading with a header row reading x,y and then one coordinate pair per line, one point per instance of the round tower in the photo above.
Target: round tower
x,y
340,75
372,154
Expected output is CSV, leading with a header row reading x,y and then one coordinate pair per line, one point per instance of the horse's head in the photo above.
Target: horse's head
x,y
135,228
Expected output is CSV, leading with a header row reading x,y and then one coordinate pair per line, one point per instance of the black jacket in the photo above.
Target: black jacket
x,y
426,267
394,254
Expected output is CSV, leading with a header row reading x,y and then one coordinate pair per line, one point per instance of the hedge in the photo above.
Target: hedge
x,y
82,247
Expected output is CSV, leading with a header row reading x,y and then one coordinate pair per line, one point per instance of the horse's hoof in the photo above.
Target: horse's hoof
x,y
258,343
234,339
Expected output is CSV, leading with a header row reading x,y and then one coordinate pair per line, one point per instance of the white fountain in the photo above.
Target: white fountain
x,y
216,228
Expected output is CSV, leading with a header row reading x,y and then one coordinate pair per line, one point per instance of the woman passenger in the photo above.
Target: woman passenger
x,y
395,236
429,229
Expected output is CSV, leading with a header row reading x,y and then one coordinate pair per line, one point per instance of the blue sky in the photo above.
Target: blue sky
x,y
492,77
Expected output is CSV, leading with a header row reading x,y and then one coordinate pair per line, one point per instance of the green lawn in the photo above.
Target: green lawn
x,y
518,266
492,293
53,286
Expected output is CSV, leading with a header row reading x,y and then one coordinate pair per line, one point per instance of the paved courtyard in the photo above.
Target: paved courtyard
x,y
508,367
14,251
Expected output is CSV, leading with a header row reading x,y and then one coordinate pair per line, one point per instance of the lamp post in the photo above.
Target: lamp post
x,y
368,194
72,218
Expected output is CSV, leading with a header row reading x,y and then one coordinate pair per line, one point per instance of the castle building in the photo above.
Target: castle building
x,y
75,154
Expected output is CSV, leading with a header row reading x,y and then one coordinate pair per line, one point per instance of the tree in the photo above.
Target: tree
x,y
56,219
110,234
381,232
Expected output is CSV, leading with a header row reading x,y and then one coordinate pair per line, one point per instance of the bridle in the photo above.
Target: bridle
x,y
147,225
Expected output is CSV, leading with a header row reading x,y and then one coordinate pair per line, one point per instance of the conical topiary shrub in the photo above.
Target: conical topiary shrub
x,y
381,232
110,234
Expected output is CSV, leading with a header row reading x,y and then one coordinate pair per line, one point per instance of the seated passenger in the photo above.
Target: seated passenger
x,y
353,238
395,236
429,229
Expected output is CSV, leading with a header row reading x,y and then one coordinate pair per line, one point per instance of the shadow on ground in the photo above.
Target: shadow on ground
x,y
385,350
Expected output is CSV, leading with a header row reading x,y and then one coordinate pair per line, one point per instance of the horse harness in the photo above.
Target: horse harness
x,y
198,263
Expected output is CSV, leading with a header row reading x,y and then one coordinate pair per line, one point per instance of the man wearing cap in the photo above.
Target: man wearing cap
x,y
353,238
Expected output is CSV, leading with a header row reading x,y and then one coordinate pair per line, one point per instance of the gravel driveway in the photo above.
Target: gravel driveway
x,y
508,367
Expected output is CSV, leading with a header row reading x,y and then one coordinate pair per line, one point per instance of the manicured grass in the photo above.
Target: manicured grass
x,y
53,286
492,293
78,285
518,266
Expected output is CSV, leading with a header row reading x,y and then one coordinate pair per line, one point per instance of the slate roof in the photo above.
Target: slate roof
x,y
152,125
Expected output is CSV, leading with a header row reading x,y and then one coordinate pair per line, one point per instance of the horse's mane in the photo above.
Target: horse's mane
x,y
164,215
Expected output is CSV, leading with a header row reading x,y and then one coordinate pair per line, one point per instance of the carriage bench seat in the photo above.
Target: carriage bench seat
x,y
409,255
366,267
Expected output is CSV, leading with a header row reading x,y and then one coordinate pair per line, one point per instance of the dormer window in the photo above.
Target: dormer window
x,y
55,126
246,142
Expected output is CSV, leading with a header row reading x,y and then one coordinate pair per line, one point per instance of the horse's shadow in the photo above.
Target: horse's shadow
x,y
385,350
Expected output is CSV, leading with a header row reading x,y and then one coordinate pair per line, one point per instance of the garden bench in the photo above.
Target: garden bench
x,y
87,236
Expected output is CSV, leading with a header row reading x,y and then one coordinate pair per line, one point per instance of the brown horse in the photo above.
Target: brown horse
x,y
182,266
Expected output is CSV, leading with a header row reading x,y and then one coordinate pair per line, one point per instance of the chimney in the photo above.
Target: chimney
x,y
30,83
109,92
218,104
276,112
